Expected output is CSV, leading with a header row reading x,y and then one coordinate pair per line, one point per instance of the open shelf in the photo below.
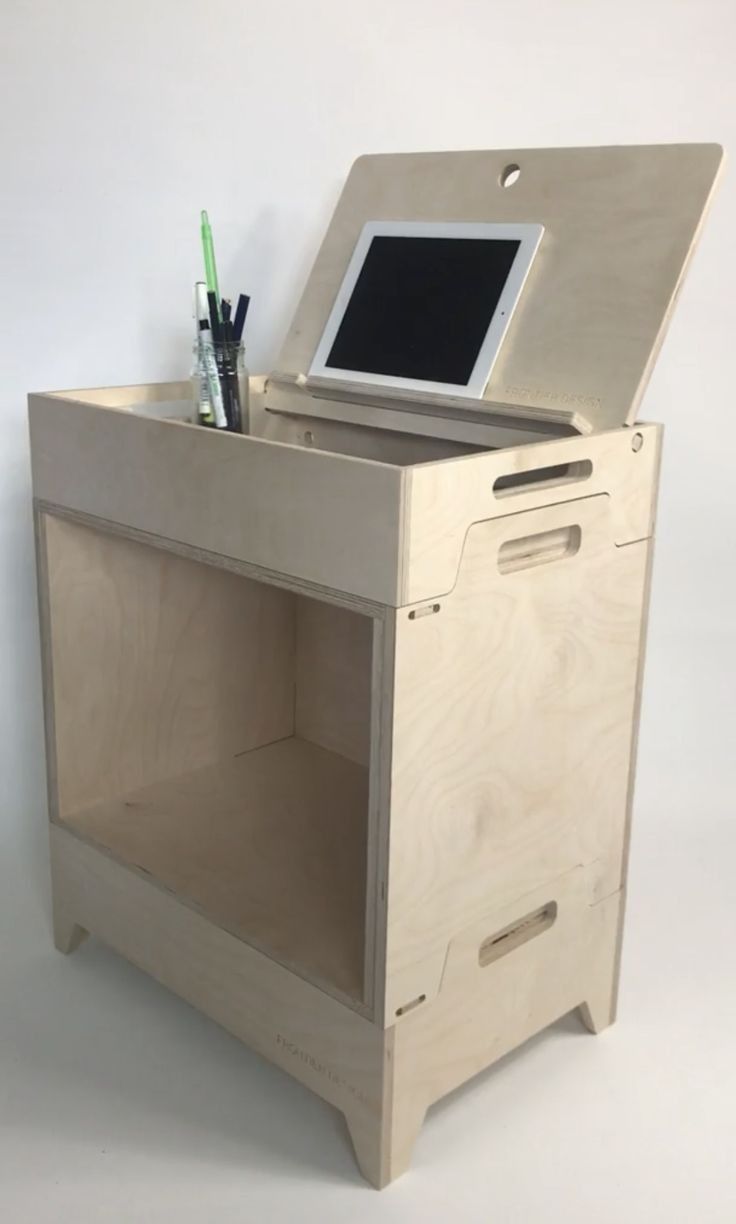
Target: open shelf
x,y
269,845
214,731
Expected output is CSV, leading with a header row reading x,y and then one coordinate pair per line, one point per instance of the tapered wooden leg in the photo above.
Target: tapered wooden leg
x,y
68,934
601,1002
384,1145
596,1016
599,1009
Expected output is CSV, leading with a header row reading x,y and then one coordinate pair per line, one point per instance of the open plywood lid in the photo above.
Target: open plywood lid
x,y
620,224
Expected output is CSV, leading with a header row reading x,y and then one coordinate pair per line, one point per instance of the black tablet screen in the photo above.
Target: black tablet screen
x,y
421,307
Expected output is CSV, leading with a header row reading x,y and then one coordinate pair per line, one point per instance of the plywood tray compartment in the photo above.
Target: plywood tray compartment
x,y
324,519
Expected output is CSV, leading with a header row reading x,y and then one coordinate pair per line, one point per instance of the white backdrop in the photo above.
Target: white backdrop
x,y
120,120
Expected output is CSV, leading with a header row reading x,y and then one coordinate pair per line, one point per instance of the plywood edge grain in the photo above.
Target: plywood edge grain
x,y
121,396
714,154
378,856
47,679
258,573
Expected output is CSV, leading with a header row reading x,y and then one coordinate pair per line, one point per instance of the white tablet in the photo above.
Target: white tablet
x,y
425,305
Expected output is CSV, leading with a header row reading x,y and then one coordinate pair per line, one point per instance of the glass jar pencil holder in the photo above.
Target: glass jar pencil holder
x,y
220,384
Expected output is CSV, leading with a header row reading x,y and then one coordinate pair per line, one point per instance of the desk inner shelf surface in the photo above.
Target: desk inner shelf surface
x,y
269,845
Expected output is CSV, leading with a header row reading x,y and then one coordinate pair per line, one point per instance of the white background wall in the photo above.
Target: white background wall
x,y
120,120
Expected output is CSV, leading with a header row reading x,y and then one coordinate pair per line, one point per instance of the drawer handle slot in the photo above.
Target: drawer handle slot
x,y
539,549
518,933
542,478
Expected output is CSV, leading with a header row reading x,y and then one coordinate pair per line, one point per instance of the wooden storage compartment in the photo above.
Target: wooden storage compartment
x,y
342,714
213,732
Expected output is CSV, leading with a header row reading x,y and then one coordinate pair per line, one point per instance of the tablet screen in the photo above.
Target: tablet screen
x,y
426,305
421,307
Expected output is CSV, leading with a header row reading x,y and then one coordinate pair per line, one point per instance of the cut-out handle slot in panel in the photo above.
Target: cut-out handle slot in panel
x,y
542,478
539,549
518,933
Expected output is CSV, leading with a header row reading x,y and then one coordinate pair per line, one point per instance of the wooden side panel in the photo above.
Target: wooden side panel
x,y
333,678
482,1013
513,713
446,498
158,664
329,520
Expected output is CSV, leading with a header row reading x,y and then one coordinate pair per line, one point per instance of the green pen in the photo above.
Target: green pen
x,y
210,267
